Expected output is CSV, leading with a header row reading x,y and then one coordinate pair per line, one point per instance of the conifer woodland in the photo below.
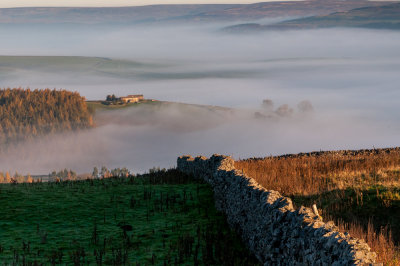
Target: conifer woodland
x,y
26,113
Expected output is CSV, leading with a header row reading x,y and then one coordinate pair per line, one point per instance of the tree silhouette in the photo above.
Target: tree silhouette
x,y
95,173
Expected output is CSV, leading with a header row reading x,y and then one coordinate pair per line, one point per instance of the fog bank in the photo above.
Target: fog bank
x,y
154,136
349,75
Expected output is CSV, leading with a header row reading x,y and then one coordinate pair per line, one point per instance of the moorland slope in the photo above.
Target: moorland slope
x,y
373,17
178,13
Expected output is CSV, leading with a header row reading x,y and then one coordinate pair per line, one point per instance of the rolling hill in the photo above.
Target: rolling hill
x,y
283,9
387,17
377,17
47,15
12,67
178,13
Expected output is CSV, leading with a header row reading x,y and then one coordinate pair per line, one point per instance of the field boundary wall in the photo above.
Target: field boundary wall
x,y
273,230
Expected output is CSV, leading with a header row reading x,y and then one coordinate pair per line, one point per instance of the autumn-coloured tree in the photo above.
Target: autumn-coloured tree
x,y
25,114
29,179
104,172
7,178
62,175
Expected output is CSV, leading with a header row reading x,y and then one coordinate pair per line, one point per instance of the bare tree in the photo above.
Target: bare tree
x,y
284,110
305,106
268,105
95,173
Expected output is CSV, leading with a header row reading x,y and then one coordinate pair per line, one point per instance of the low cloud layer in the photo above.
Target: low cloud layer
x,y
349,75
147,136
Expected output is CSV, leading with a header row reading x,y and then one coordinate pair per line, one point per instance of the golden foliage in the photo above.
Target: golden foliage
x,y
29,113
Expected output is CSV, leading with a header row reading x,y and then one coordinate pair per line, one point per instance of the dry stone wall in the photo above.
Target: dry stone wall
x,y
267,222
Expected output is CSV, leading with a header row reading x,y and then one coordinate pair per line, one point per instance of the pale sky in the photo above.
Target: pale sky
x,y
99,3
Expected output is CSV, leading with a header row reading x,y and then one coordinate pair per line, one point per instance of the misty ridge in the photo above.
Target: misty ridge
x,y
349,76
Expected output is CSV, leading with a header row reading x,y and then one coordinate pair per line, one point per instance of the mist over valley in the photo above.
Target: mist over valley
x,y
350,76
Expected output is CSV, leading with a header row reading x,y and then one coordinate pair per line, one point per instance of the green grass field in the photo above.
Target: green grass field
x,y
67,63
161,218
98,105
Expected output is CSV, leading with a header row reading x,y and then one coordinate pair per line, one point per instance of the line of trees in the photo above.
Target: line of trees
x,y
65,175
26,113
62,175
113,100
16,178
105,173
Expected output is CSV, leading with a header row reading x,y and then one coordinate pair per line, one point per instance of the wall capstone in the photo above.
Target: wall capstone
x,y
273,230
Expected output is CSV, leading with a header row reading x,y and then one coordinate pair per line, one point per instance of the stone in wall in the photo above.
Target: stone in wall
x,y
272,229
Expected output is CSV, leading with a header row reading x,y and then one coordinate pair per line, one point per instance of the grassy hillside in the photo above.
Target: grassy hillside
x,y
67,64
178,13
383,17
161,218
99,106
69,68
88,15
78,67
281,9
156,105
373,17
360,190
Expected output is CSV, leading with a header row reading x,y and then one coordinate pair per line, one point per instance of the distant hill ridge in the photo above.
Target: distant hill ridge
x,y
179,13
375,17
